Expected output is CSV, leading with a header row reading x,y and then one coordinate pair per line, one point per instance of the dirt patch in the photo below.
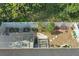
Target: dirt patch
x,y
62,38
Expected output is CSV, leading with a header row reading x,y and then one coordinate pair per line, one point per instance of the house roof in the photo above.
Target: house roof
x,y
59,24
19,24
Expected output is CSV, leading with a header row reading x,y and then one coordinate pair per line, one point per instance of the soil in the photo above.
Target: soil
x,y
56,40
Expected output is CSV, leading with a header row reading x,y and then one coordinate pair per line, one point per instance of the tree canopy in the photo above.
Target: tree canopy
x,y
27,12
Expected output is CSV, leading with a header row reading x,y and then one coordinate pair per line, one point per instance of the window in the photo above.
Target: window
x,y
13,29
26,30
35,29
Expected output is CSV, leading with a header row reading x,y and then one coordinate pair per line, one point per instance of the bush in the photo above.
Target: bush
x,y
41,26
50,27
46,27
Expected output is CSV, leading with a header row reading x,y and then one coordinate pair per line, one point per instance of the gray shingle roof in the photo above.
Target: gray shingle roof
x,y
19,24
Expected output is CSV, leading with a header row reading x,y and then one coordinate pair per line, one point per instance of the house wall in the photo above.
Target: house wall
x,y
6,40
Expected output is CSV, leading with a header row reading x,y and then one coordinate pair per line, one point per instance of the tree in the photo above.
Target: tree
x,y
24,12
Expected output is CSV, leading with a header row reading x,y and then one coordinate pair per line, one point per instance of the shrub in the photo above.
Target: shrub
x,y
50,27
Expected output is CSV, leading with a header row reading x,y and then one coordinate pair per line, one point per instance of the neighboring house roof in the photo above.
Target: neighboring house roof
x,y
19,24
59,24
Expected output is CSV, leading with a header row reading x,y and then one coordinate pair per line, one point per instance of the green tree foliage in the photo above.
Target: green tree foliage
x,y
41,27
50,27
24,12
